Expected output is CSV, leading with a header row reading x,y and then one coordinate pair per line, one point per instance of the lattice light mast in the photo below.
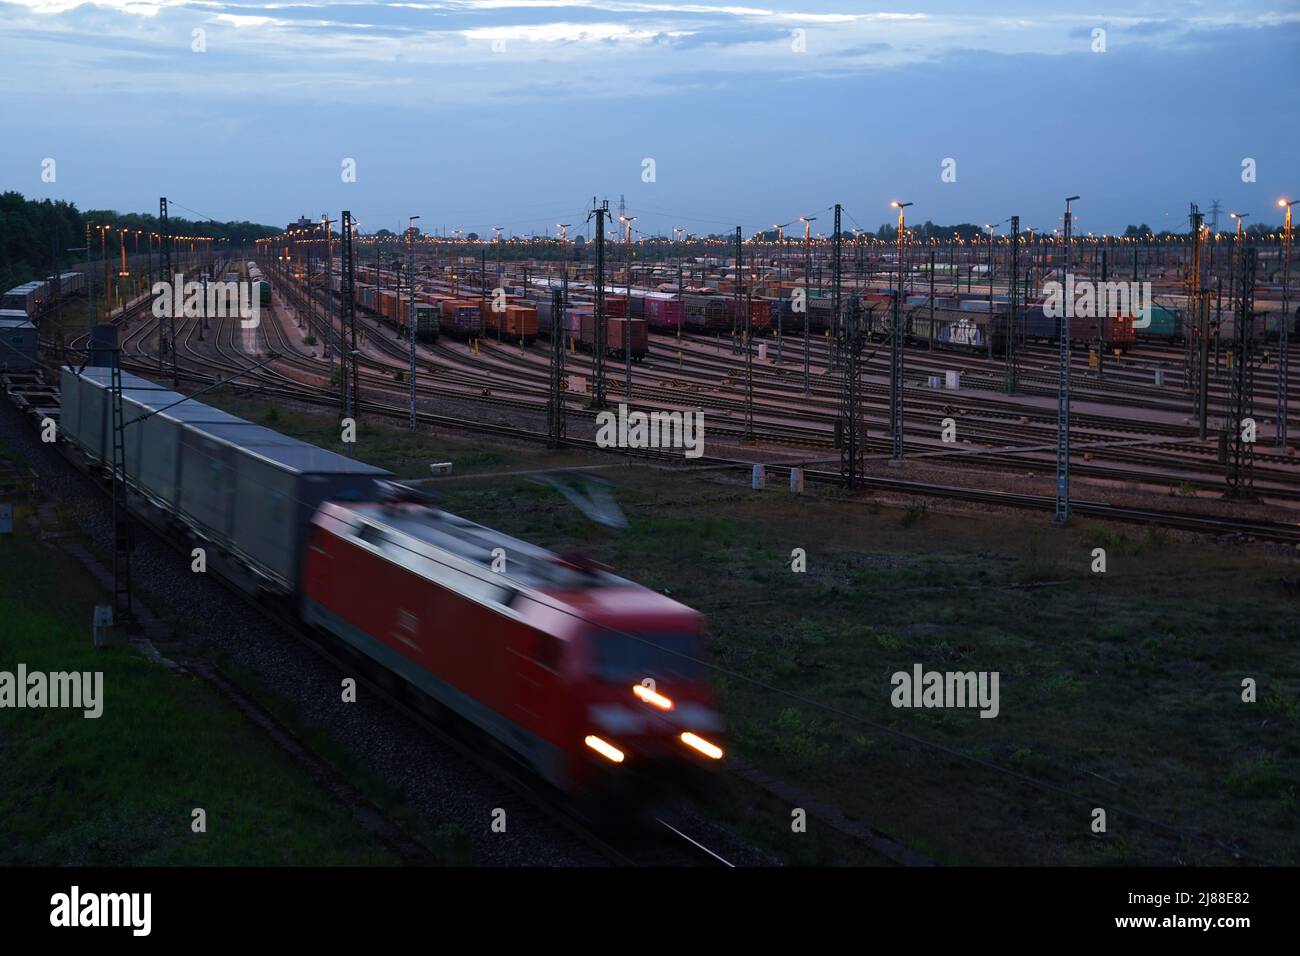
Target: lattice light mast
x,y
896,361
410,306
1284,329
1062,514
807,296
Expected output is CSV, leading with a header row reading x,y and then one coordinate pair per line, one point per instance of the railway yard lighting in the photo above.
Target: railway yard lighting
x,y
1284,330
1062,513
410,304
896,359
807,268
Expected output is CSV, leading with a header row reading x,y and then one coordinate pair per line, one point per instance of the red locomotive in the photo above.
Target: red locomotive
x,y
591,679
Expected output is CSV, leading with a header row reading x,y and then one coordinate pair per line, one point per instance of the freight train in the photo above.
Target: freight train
x,y
31,299
261,287
592,680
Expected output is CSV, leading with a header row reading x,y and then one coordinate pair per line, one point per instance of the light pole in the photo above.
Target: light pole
x,y
1284,329
896,343
807,295
1063,390
410,304
989,278
103,258
627,305
780,277
1240,217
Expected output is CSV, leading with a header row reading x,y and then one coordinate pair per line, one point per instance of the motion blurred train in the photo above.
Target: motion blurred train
x,y
593,681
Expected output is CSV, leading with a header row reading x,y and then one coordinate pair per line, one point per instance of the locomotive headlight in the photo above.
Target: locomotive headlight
x,y
703,746
651,697
606,750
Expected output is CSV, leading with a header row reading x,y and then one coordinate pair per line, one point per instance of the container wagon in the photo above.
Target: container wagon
x,y
520,323
17,341
706,313
615,330
1163,325
461,319
249,491
25,298
427,321
663,315
621,331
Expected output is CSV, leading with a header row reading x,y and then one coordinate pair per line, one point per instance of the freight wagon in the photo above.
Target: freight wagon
x,y
461,319
1034,323
17,341
616,329
513,323
1164,324
26,298
1270,323
248,491
427,321
521,322
70,283
706,313
627,333
663,313
955,329
760,312
615,306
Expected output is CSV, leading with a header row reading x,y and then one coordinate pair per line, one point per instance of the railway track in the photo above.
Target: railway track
x,y
274,383
654,842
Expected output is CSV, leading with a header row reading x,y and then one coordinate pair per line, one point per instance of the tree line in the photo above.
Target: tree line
x,y
36,236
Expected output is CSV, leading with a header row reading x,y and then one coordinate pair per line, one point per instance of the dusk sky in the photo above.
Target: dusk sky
x,y
514,113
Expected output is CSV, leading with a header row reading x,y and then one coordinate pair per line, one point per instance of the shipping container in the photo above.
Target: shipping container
x,y
24,298
152,439
85,410
427,317
278,483
461,318
17,340
520,322
623,333
1271,323
664,314
1161,323
615,306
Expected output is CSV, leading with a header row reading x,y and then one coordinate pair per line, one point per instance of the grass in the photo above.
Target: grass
x,y
121,789
1122,687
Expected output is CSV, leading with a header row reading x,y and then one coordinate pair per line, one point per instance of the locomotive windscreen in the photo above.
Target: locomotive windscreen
x,y
662,656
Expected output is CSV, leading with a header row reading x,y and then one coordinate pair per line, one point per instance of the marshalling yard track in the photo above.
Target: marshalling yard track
x,y
1124,432
654,842
505,377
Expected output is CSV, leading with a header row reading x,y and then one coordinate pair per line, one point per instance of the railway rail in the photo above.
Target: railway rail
x,y
526,393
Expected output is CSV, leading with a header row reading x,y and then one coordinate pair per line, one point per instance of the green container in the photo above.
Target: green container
x,y
1164,324
426,322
